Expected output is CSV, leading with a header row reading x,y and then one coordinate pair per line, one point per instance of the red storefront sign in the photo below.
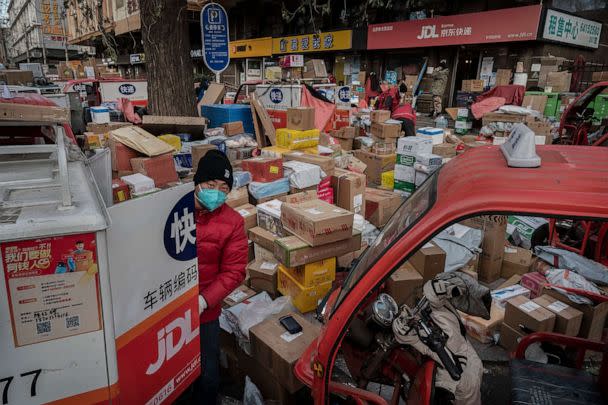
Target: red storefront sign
x,y
506,25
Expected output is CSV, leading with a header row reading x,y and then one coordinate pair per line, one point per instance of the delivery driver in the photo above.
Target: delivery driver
x,y
221,245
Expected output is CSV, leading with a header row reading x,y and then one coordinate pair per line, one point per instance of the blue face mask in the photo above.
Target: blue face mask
x,y
210,198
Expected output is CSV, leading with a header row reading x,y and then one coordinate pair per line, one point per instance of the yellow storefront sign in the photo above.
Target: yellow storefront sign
x,y
325,41
251,48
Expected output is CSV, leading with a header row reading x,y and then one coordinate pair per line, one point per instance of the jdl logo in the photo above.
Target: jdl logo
x,y
167,348
428,31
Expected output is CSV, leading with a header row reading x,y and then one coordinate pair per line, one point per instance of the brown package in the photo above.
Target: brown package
x,y
567,319
516,260
379,116
405,285
237,197
384,130
273,346
301,118
263,276
380,205
429,260
249,214
349,190
233,128
262,237
494,229
317,222
326,163
510,337
376,165
522,311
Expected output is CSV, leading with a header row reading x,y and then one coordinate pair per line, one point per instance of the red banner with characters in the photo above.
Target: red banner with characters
x,y
53,287
506,25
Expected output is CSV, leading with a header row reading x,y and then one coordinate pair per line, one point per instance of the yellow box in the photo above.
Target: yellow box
x,y
311,151
305,299
294,139
388,180
276,152
312,274
173,140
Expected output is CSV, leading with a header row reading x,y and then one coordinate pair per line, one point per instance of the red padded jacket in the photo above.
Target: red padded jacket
x,y
221,245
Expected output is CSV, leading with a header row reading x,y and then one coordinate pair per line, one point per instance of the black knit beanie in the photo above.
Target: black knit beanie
x,y
214,166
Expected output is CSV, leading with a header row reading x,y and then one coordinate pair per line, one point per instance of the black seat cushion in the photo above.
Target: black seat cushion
x,y
549,384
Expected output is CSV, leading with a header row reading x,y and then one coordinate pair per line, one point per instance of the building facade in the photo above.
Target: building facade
x,y
38,33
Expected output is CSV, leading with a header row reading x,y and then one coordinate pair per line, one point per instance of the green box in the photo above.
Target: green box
x,y
552,106
600,107
406,160
405,186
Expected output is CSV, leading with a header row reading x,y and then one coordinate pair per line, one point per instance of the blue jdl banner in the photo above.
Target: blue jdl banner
x,y
214,29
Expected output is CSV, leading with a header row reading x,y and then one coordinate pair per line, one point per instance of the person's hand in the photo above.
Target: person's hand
x,y
202,304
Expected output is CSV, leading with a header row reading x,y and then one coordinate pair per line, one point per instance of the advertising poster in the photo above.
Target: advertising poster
x,y
53,287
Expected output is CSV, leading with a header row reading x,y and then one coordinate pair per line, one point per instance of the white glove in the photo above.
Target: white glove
x,y
202,304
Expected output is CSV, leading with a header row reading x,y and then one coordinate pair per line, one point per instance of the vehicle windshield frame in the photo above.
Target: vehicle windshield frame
x,y
426,191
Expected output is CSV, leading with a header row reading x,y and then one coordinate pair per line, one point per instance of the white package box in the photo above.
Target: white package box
x,y
429,159
436,135
405,173
421,177
303,175
100,115
414,145
501,296
138,183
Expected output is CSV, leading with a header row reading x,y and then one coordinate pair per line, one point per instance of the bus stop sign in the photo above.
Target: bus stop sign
x,y
214,29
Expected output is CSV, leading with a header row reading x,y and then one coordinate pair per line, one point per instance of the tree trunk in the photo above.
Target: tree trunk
x,y
166,42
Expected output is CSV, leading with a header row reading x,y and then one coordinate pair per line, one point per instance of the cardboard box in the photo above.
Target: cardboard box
x,y
159,168
494,229
214,94
599,76
521,311
198,151
472,86
510,337
349,190
326,163
348,132
37,113
516,260
481,329
313,274
317,222
278,350
559,81
269,217
535,102
314,68
445,150
17,77
405,285
240,294
429,260
233,128
249,214
594,316
384,130
263,275
534,282
301,196
503,77
237,197
121,156
345,144
264,170
376,165
262,237
567,319
380,205
301,118
379,116
292,251
105,128
413,145
305,299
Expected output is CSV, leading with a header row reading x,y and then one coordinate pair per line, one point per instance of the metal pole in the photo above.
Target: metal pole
x,y
27,43
65,37
217,77
454,71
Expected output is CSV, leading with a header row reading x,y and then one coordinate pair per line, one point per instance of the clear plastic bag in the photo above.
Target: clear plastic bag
x,y
261,190
252,395
460,244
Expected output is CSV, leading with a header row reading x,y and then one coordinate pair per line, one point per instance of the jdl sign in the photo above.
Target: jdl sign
x,y
214,29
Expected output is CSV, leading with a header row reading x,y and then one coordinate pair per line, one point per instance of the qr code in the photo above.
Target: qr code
x,y
72,321
43,327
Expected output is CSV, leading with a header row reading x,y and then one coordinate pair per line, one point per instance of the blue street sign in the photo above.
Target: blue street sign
x,y
214,29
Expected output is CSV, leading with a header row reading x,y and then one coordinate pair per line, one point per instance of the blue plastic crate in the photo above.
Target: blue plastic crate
x,y
219,114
